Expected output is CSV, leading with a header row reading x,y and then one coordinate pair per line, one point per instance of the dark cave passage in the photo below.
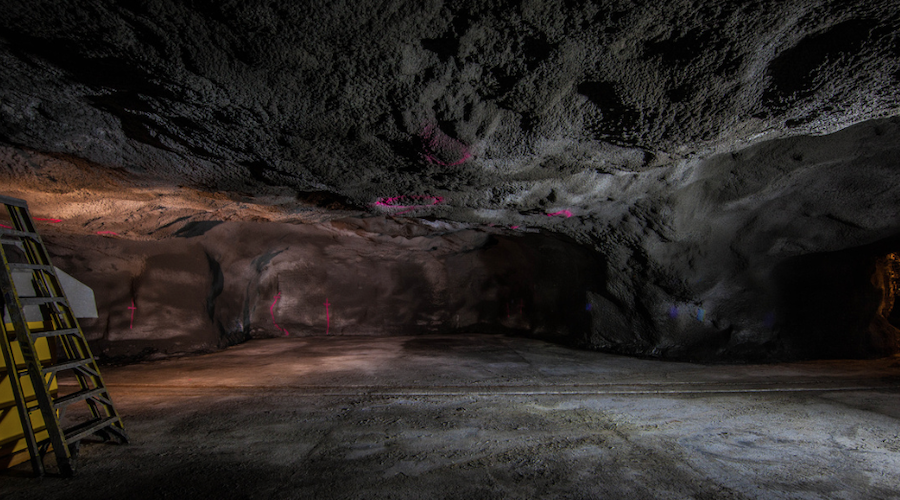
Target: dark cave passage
x,y
840,304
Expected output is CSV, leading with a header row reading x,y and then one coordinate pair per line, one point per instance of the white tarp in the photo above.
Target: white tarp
x,y
81,297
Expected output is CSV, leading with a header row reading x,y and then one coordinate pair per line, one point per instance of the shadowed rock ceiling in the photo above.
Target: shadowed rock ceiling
x,y
695,145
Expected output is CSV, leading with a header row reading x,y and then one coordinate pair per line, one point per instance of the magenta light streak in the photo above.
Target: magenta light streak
x,y
561,212
132,308
107,233
272,311
394,202
327,317
52,221
434,159
5,226
433,140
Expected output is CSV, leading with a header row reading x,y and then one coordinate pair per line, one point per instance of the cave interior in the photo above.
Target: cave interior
x,y
354,208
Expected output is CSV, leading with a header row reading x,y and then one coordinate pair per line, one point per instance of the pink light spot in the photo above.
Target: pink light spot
x,y
439,145
272,311
107,233
5,226
514,227
52,221
132,308
395,202
561,212
327,317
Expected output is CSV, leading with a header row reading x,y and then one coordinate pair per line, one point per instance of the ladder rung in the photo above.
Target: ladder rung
x,y
77,396
37,301
13,232
4,241
36,267
67,365
87,428
54,333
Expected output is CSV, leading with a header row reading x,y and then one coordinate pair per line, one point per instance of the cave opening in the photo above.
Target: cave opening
x,y
840,304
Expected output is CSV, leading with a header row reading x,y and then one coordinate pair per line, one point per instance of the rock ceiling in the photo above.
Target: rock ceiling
x,y
493,112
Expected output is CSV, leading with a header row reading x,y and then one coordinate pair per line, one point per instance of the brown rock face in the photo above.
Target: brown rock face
x,y
224,284
670,178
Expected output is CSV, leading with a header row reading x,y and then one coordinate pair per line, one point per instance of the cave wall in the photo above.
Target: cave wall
x,y
695,149
687,262
728,238
218,284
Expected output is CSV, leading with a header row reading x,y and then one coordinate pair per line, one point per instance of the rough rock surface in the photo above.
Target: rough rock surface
x,y
218,284
685,143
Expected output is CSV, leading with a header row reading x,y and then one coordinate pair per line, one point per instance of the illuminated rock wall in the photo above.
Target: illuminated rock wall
x,y
222,284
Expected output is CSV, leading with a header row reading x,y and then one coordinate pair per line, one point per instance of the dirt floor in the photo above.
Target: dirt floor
x,y
481,416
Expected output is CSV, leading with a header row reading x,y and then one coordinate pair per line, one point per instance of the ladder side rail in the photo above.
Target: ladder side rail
x,y
36,253
8,291
35,370
15,382
21,218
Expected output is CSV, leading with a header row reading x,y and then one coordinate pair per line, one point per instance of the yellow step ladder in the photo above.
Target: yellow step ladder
x,y
74,356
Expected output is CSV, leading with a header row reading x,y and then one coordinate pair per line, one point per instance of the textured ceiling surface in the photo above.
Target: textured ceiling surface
x,y
478,111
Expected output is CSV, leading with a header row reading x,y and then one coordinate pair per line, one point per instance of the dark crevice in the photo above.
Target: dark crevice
x,y
328,200
618,117
828,304
216,286
444,47
196,228
109,72
176,221
681,48
794,71
536,51
132,110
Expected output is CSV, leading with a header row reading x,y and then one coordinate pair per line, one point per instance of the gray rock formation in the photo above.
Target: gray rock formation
x,y
691,179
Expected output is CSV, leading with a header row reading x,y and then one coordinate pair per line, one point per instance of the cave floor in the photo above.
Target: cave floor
x,y
481,416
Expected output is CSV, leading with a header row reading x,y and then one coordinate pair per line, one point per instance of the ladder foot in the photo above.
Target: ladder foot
x,y
67,468
74,448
